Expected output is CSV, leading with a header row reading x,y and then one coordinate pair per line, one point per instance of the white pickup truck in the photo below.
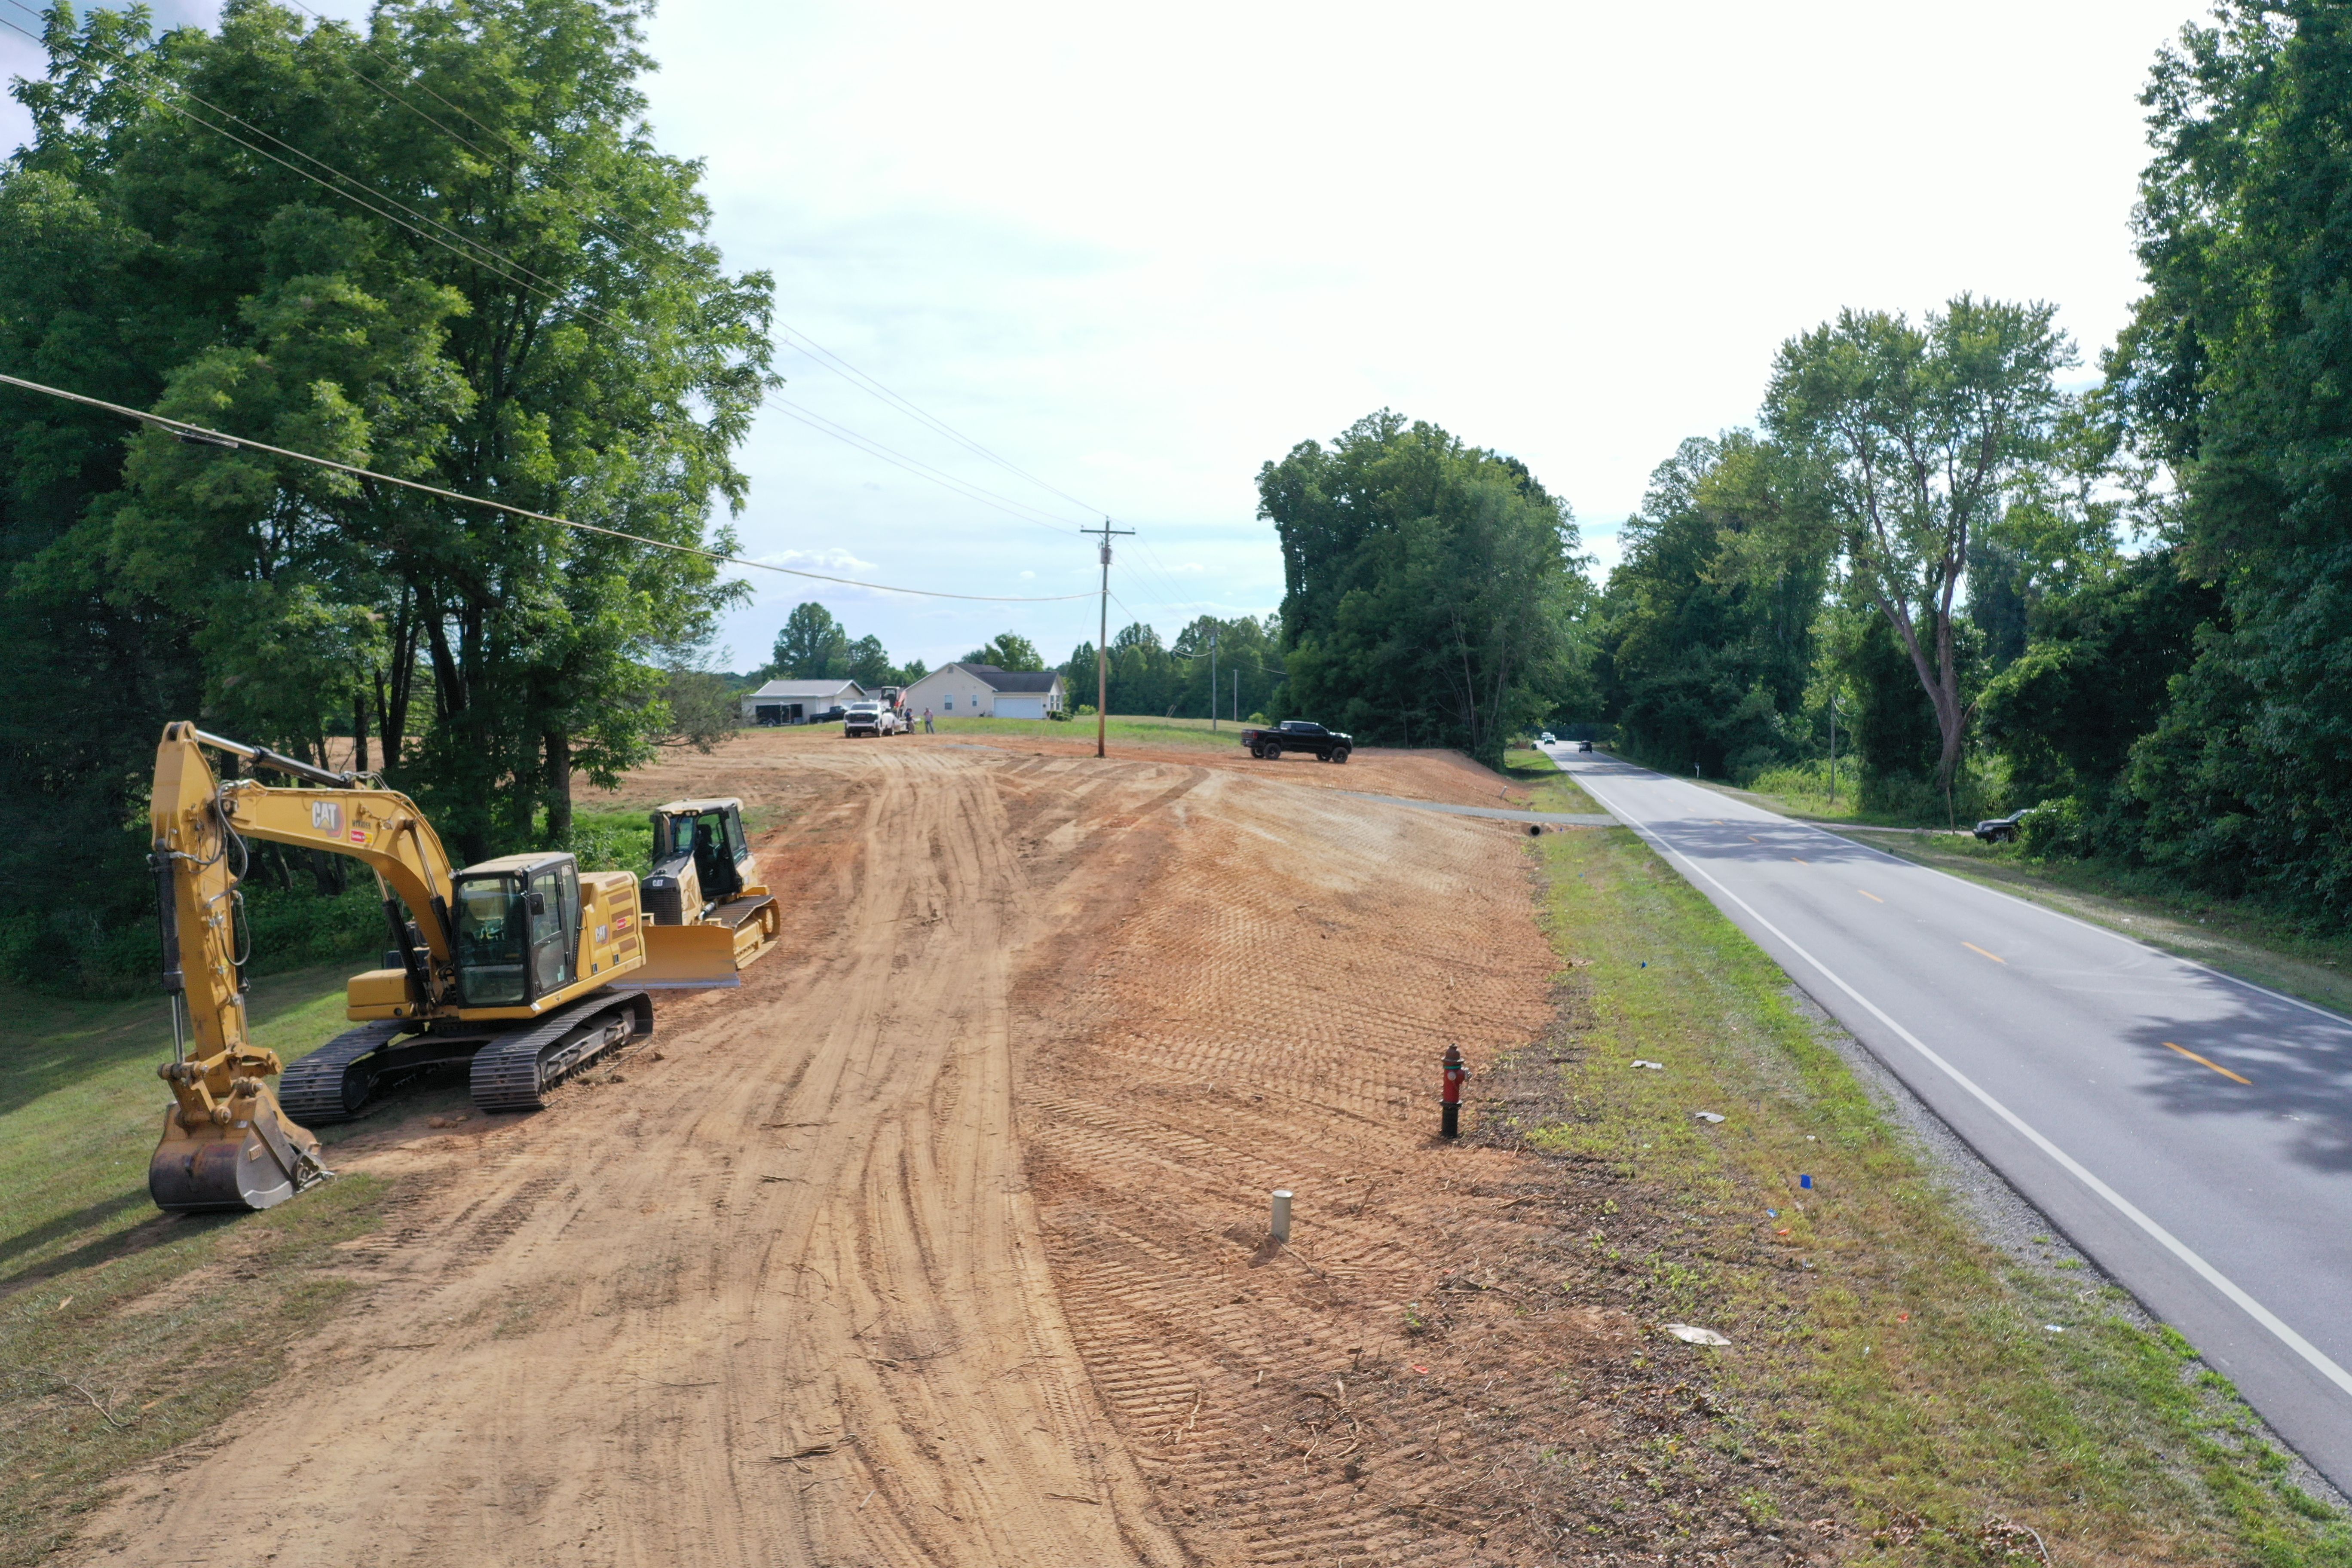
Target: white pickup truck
x,y
871,719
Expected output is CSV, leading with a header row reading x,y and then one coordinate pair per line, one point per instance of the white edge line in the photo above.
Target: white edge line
x,y
2140,943
2319,1359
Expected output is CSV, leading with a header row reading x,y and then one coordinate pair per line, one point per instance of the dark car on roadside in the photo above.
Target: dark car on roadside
x,y
2002,829
1584,745
1298,735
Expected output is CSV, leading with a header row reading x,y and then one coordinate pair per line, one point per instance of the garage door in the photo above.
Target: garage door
x,y
1021,708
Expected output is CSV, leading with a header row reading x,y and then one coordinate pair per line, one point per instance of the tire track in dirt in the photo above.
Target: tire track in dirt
x,y
773,1295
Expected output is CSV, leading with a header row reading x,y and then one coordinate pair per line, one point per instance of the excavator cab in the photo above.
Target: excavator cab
x,y
706,913
518,929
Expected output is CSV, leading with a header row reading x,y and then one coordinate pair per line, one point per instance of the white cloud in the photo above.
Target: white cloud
x,y
1028,576
835,559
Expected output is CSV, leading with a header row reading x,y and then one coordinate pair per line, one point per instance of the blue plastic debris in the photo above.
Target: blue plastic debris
x,y
1805,1182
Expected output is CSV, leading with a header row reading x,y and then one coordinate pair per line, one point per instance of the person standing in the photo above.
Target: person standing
x,y
929,728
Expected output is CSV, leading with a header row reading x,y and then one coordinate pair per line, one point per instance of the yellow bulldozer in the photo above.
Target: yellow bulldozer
x,y
710,916
524,968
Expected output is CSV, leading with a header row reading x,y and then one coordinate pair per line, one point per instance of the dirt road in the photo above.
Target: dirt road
x,y
942,1240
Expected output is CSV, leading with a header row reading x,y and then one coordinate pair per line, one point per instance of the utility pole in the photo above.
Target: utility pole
x,y
1102,637
1833,747
1213,680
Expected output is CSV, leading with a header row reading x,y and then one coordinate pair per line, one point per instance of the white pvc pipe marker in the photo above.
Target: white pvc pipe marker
x,y
1279,1223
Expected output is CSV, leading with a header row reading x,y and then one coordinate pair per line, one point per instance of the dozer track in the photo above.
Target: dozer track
x,y
514,1071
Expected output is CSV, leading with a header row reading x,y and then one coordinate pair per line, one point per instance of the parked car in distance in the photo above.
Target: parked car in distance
x,y
869,718
1298,735
2002,829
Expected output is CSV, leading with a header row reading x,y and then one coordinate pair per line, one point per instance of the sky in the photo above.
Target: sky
x,y
1135,252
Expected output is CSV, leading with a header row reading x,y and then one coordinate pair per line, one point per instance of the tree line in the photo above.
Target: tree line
x,y
2128,606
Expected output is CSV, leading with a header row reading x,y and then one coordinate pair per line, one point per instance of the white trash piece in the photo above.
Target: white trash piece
x,y
1691,1336
1708,1115
1653,1066
1279,1215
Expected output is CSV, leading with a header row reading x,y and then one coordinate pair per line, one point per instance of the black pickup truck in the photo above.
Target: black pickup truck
x,y
1298,735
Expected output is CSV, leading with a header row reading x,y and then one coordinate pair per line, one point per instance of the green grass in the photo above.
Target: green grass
x,y
1134,730
168,1322
1885,1352
1526,767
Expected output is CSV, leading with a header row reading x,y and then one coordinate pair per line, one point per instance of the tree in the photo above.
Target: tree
x,y
1706,631
702,708
1918,438
1431,587
811,646
1009,651
2236,373
541,320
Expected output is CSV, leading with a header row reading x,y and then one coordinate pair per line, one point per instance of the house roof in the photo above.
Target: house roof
x,y
802,689
1011,679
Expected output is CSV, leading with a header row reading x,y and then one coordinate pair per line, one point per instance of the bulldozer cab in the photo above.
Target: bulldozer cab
x,y
708,833
518,929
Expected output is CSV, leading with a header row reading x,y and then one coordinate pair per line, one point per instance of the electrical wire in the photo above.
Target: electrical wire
x,y
203,436
514,272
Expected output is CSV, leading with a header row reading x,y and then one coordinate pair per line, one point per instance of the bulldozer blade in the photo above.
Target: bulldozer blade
x,y
255,1166
688,958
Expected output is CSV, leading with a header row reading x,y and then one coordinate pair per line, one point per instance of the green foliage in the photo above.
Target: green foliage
x,y
605,370
812,646
702,708
1705,634
1185,679
1432,588
2233,372
1916,440
1010,651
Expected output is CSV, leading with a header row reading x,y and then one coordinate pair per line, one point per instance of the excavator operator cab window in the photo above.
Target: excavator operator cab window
x,y
492,921
554,905
518,938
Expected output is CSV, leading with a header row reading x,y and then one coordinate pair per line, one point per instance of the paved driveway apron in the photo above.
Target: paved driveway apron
x,y
2189,1131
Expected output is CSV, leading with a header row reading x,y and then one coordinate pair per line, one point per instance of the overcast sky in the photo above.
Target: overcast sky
x,y
1139,252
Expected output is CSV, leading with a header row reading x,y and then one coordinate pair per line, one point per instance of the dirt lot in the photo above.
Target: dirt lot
x,y
942,1241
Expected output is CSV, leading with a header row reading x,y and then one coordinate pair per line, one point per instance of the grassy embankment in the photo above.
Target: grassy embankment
x,y
1882,1351
1126,728
122,1331
2284,951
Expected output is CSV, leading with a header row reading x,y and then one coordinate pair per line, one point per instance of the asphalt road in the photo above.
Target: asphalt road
x,y
2188,1132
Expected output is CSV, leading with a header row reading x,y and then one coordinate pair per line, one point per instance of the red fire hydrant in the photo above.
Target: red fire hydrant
x,y
1456,1072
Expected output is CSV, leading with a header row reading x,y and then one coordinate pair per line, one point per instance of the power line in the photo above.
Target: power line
x,y
514,272
916,465
201,436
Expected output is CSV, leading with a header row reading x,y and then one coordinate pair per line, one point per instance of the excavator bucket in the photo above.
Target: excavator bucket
x,y
711,952
257,1159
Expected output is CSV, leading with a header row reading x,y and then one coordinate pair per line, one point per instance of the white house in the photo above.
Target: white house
x,y
985,691
798,702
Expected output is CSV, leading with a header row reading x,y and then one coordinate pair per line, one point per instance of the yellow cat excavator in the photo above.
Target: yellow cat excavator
x,y
518,965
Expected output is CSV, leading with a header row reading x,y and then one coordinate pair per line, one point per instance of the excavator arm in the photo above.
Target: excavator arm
x,y
227,1143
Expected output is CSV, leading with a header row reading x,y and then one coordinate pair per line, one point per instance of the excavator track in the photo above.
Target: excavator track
x,y
332,1082
352,1071
514,1072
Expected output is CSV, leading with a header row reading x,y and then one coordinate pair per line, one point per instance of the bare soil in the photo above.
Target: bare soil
x,y
943,1240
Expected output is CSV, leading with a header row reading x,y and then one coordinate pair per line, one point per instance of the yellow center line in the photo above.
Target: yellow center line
x,y
1867,893
2217,1066
1972,947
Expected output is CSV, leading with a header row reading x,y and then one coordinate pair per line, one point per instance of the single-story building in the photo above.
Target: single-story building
x,y
798,702
985,691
